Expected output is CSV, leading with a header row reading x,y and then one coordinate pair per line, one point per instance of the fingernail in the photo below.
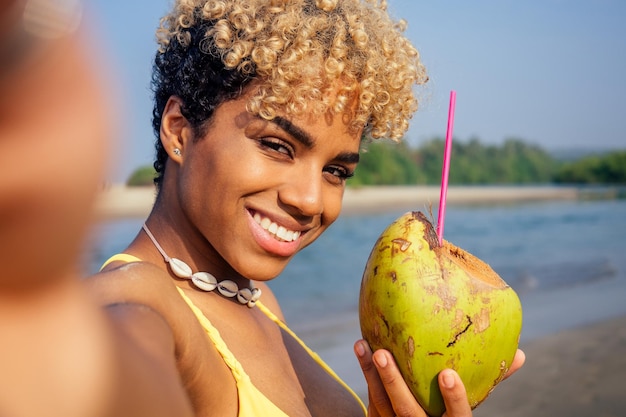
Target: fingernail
x,y
360,349
448,379
381,360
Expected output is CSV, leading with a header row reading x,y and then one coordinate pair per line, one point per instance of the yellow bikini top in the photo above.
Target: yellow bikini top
x,y
252,402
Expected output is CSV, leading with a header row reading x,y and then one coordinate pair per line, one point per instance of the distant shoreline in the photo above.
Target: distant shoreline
x,y
119,201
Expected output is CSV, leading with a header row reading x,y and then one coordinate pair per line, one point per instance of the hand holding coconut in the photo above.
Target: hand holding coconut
x,y
431,312
389,395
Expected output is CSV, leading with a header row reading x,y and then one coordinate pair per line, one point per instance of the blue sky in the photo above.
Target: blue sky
x,y
550,72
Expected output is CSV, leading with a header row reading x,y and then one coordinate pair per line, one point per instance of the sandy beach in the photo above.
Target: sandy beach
x,y
118,201
574,373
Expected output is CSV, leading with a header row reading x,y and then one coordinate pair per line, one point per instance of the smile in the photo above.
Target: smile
x,y
279,232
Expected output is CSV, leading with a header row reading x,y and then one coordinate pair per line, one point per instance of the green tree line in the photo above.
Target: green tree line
x,y
472,163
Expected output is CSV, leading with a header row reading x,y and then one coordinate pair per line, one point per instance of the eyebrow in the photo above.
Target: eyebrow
x,y
305,139
299,134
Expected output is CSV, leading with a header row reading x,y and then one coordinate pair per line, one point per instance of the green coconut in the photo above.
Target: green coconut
x,y
435,307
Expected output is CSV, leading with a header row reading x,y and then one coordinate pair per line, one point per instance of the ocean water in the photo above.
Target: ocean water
x,y
565,259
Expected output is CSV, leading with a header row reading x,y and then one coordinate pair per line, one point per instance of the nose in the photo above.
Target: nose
x,y
302,191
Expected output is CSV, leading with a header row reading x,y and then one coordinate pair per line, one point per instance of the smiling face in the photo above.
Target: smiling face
x,y
254,192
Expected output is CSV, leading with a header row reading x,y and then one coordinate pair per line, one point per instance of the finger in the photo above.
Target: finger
x,y
454,395
372,411
402,400
379,404
518,361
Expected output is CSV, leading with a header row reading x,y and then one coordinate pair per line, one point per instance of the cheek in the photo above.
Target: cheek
x,y
224,166
209,179
333,202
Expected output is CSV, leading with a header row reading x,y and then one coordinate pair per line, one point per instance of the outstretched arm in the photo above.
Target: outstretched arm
x,y
61,354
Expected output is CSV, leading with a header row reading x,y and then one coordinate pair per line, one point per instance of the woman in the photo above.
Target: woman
x,y
259,113
260,107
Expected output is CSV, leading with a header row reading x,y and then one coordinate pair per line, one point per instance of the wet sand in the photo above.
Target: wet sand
x,y
574,373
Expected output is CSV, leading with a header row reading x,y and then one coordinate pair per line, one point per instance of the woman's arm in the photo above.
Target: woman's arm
x,y
61,353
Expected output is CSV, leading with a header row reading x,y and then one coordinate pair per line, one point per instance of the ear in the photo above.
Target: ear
x,y
176,131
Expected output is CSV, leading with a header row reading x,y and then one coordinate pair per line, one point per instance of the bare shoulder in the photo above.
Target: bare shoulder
x,y
131,282
140,300
146,290
145,305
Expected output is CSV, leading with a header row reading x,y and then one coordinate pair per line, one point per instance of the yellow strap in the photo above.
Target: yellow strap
x,y
314,355
124,257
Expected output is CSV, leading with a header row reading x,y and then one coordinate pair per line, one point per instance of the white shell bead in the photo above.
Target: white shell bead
x,y
256,294
204,281
180,269
244,295
228,288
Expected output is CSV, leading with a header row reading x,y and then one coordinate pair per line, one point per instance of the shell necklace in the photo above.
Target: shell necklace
x,y
205,281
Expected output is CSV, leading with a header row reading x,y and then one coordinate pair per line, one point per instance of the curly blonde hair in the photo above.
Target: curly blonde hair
x,y
346,57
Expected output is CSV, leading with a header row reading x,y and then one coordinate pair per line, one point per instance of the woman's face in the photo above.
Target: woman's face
x,y
259,191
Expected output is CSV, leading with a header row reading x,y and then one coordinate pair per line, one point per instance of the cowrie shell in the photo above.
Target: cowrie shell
x,y
180,269
244,295
204,281
256,294
227,288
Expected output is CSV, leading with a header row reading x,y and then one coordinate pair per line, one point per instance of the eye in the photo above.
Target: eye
x,y
338,174
277,145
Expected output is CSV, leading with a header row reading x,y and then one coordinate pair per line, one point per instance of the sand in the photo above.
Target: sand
x,y
573,373
118,201
378,199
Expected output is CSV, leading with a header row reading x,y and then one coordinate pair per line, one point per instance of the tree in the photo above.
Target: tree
x,y
142,176
596,169
385,163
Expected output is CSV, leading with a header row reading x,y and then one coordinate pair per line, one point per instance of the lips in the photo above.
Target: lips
x,y
280,233
273,238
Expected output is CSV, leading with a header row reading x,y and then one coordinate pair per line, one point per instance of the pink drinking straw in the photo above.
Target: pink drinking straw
x,y
445,170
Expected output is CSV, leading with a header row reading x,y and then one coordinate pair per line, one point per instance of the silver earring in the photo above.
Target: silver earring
x,y
176,151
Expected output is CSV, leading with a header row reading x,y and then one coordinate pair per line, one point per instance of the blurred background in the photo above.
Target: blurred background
x,y
539,104
547,72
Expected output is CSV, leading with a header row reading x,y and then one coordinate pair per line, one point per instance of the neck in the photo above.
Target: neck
x,y
206,281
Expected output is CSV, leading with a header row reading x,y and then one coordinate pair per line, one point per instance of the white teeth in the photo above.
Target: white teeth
x,y
279,231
